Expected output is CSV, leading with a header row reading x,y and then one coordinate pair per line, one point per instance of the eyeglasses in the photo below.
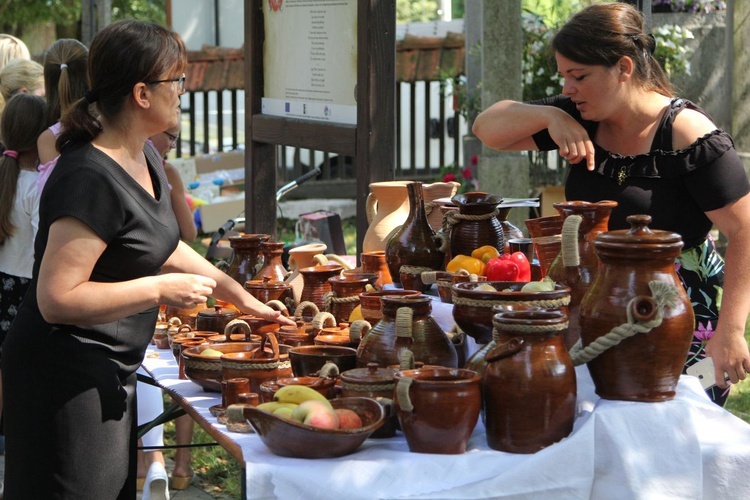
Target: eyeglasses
x,y
180,82
172,139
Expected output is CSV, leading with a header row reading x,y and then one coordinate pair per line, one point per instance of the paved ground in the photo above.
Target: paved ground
x,y
192,493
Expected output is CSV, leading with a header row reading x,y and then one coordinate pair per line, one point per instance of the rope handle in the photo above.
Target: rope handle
x,y
323,320
570,254
278,305
402,394
358,329
404,317
304,306
237,323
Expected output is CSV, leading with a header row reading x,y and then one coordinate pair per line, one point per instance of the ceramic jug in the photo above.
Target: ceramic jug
x,y
374,262
545,233
344,295
301,257
407,323
247,259
580,267
272,267
529,382
436,191
414,245
636,299
387,208
316,284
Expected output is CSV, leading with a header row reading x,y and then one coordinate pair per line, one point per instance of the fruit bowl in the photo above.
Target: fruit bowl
x,y
288,438
472,308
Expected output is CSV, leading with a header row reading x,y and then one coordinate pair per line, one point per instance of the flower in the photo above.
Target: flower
x,y
704,333
463,176
449,177
466,173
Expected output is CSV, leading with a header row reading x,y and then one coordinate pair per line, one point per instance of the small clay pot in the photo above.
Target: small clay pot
x,y
372,306
374,262
215,319
373,382
437,408
309,359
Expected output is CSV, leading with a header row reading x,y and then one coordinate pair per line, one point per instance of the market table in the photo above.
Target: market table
x,y
684,448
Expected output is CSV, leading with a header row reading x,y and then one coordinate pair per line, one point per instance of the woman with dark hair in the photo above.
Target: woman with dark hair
x,y
629,139
107,254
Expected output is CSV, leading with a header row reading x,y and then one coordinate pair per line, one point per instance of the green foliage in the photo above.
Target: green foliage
x,y
409,11
671,49
16,13
145,10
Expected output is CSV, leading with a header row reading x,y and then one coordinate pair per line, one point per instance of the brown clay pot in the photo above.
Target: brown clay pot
x,y
186,316
529,383
344,296
509,230
407,324
545,235
372,382
295,335
578,269
266,290
372,311
472,308
476,223
215,319
374,262
437,408
247,259
316,284
637,272
301,257
309,359
414,245
257,366
206,371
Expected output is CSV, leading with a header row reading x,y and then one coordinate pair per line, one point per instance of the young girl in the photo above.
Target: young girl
x,y
19,203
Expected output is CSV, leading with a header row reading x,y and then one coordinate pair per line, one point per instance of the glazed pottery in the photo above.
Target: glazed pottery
x,y
309,359
232,388
295,335
578,270
206,371
266,290
374,262
637,289
344,295
272,268
215,319
414,245
509,230
545,234
247,258
372,310
472,307
257,366
300,257
529,384
186,315
437,408
387,208
475,224
372,382
288,438
407,324
316,284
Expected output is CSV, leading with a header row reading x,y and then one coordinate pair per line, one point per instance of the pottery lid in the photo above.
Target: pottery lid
x,y
372,374
639,234
266,284
218,312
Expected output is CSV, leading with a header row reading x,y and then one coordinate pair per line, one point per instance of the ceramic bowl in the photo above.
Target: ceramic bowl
x,y
308,359
472,309
288,438
207,371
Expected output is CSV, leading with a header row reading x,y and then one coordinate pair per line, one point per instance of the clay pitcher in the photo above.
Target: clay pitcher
x,y
316,284
272,268
300,257
545,233
414,245
578,273
387,208
247,259
344,295
475,224
638,299
374,262
407,324
529,382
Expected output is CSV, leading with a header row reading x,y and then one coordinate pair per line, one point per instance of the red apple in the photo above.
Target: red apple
x,y
348,419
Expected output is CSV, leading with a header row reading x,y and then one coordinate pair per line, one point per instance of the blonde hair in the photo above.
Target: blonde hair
x,y
65,67
12,48
19,74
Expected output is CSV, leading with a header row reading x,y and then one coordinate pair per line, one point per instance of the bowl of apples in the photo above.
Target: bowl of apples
x,y
315,428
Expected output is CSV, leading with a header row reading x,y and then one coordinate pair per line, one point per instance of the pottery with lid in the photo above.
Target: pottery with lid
x,y
215,319
638,300
374,382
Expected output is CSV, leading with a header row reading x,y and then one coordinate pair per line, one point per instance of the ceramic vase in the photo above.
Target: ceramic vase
x,y
247,258
387,208
476,224
300,257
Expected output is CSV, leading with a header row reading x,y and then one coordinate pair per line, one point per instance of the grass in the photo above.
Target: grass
x,y
222,475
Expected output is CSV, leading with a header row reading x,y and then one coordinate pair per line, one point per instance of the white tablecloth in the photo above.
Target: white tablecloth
x,y
682,449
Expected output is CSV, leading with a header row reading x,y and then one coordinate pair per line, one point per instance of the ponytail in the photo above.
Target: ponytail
x,y
9,170
78,126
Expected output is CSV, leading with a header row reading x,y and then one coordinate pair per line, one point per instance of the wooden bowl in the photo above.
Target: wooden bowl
x,y
288,438
472,309
207,371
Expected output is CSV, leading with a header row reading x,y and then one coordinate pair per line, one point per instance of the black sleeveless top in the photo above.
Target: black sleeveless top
x,y
675,187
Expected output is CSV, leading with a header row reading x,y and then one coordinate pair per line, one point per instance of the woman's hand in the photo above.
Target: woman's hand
x,y
731,357
185,290
572,139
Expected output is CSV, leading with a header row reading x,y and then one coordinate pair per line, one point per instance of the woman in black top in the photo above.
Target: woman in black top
x,y
628,139
107,254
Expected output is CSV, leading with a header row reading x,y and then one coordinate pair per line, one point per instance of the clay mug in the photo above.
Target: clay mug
x,y
437,408
309,359
231,389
